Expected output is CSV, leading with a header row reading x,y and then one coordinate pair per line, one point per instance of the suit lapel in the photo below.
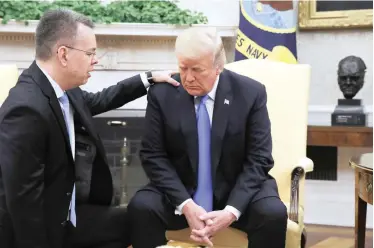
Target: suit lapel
x,y
188,123
85,120
48,91
56,107
222,103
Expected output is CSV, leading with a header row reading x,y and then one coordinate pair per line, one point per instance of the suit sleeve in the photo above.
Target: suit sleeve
x,y
22,132
115,96
154,158
258,159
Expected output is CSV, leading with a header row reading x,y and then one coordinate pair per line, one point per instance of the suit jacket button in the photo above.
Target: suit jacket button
x,y
64,223
68,194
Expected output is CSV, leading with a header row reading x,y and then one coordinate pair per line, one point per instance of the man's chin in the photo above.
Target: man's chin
x,y
78,84
84,82
194,92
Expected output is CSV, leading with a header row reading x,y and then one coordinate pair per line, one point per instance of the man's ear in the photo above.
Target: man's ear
x,y
62,53
219,70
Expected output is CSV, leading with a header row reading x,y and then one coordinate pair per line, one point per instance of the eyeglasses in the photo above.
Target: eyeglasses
x,y
88,53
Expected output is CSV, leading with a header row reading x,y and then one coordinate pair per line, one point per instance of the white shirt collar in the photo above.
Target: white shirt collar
x,y
212,93
58,91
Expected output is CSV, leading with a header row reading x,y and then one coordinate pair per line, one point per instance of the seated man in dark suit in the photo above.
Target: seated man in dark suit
x,y
207,150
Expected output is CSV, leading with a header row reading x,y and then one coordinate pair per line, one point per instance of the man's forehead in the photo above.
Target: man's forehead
x,y
189,62
194,62
86,45
85,34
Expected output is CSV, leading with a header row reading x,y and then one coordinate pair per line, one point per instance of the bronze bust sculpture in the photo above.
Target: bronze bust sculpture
x,y
351,74
349,111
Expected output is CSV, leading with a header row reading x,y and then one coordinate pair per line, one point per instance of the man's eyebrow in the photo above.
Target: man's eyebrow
x,y
198,67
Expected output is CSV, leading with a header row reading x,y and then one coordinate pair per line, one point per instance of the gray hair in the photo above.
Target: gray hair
x,y
197,41
57,26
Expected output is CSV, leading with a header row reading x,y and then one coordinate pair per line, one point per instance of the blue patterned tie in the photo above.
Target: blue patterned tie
x,y
66,111
204,192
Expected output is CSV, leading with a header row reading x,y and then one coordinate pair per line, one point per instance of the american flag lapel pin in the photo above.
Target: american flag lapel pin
x,y
226,102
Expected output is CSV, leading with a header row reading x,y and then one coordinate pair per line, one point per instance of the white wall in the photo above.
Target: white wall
x,y
323,50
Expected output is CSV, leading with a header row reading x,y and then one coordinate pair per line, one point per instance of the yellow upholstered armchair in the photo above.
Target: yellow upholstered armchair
x,y
287,88
9,76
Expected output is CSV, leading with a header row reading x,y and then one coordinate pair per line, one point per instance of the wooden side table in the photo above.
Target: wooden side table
x,y
340,136
363,166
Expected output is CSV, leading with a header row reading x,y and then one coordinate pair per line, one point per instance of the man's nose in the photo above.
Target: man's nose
x,y
189,77
95,60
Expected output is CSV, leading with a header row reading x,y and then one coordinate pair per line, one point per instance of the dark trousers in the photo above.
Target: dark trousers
x,y
264,221
97,227
6,230
100,227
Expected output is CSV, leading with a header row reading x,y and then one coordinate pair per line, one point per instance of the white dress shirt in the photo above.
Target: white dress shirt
x,y
210,107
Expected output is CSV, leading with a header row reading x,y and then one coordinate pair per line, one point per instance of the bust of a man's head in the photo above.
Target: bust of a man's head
x,y
351,74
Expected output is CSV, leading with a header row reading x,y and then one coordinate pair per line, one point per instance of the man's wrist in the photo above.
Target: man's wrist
x,y
232,216
144,79
179,209
149,77
236,213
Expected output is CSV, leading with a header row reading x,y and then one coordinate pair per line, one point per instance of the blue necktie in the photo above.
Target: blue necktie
x,y
204,193
66,111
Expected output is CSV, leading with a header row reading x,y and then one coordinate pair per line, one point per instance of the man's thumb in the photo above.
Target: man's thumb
x,y
206,216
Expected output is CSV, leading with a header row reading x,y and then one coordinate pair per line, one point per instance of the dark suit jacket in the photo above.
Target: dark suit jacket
x,y
241,143
37,168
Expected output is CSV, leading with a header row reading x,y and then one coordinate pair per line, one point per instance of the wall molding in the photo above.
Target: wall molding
x,y
126,51
123,29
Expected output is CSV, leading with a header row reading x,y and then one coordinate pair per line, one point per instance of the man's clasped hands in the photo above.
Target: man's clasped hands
x,y
204,225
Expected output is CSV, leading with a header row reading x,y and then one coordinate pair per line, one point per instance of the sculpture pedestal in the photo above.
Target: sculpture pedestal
x,y
348,112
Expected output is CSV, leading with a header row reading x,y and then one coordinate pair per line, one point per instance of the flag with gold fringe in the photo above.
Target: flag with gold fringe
x,y
267,30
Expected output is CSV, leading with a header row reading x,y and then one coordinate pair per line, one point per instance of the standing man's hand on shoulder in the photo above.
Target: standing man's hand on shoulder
x,y
193,212
164,76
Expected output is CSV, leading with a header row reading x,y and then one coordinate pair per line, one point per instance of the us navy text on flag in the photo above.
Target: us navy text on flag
x,y
249,48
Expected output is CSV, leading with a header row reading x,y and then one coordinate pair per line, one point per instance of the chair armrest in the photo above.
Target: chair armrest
x,y
298,174
305,163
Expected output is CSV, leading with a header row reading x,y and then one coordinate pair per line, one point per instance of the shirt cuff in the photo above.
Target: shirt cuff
x,y
144,79
178,211
234,211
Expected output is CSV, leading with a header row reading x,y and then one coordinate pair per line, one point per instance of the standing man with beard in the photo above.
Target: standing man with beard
x,y
38,125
